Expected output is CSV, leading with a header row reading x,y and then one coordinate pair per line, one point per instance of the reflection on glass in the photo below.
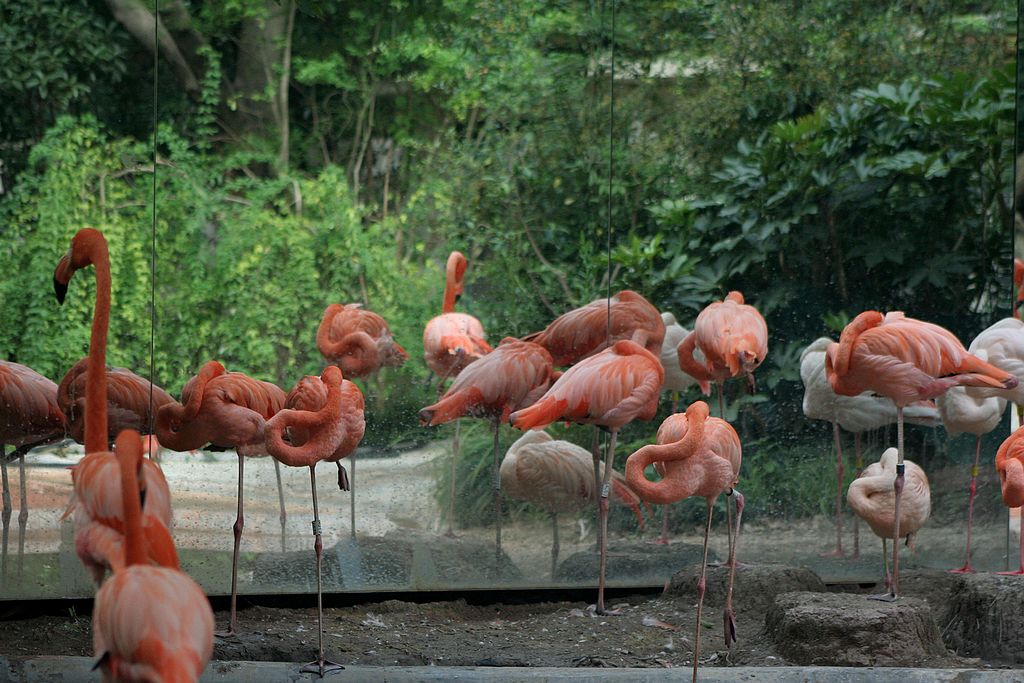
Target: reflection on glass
x,y
822,158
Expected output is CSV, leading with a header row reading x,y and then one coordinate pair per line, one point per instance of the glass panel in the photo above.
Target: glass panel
x,y
824,158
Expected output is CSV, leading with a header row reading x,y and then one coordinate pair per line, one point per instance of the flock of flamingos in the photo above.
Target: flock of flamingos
x,y
152,622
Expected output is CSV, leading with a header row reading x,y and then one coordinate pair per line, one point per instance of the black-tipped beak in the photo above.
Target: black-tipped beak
x,y
142,499
60,289
425,417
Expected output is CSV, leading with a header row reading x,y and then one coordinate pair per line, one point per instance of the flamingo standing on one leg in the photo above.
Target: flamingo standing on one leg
x,y
512,376
701,456
905,360
148,623
29,416
360,343
557,476
451,341
325,423
226,409
96,502
857,414
610,390
963,413
1010,465
872,497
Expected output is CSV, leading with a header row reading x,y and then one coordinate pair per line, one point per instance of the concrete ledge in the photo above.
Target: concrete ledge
x,y
74,669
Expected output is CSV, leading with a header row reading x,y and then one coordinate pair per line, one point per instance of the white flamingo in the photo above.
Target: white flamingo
x,y
557,476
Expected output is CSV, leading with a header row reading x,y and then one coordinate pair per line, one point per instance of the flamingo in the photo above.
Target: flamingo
x,y
324,417
701,456
1018,283
856,414
1002,345
29,416
359,342
96,501
229,410
128,401
963,413
587,330
557,476
1010,465
610,390
732,336
677,382
451,341
512,376
906,360
148,623
873,498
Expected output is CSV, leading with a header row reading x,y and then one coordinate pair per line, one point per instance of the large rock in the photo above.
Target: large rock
x,y
985,617
632,561
755,588
837,629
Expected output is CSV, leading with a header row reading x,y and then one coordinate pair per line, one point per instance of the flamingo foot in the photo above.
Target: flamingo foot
x,y
838,554
607,612
226,635
451,534
321,667
1019,572
966,569
884,597
729,617
661,540
342,478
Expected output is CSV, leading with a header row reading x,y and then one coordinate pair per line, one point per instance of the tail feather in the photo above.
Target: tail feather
x,y
459,344
450,407
540,414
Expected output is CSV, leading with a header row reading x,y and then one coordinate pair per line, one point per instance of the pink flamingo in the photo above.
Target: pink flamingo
x,y
701,456
905,360
324,418
512,376
148,623
230,410
1010,465
610,390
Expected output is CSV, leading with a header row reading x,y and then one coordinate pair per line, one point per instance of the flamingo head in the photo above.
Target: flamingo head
x,y
455,271
331,376
79,255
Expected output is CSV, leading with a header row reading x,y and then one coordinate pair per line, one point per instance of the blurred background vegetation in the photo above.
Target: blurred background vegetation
x,y
822,156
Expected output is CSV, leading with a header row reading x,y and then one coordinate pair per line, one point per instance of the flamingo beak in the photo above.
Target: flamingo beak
x,y
61,276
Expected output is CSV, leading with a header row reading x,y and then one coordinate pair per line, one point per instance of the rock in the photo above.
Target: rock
x,y
985,617
756,584
633,561
837,629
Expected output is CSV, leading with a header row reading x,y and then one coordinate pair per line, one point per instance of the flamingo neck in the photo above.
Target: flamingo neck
x,y
96,374
129,458
448,304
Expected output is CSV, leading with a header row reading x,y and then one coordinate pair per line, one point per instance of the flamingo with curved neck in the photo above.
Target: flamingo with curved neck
x,y
1010,465
324,419
701,456
148,623
99,510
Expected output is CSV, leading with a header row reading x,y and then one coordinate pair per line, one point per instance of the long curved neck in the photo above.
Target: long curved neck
x,y
669,489
96,375
452,287
323,441
129,458
323,333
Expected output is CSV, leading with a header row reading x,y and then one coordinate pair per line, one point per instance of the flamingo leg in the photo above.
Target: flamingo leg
x,y
606,486
664,526
894,591
885,564
836,438
595,453
352,492
1021,570
859,464
496,476
6,515
554,544
280,500
727,613
22,512
701,587
967,568
237,529
320,666
451,493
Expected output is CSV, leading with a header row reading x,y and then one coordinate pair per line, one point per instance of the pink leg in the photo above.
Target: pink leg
x,y
727,614
237,529
859,464
967,568
701,587
663,539
320,666
451,492
609,461
894,592
8,510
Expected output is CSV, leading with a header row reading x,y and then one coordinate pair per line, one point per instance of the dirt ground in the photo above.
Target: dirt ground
x,y
652,631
